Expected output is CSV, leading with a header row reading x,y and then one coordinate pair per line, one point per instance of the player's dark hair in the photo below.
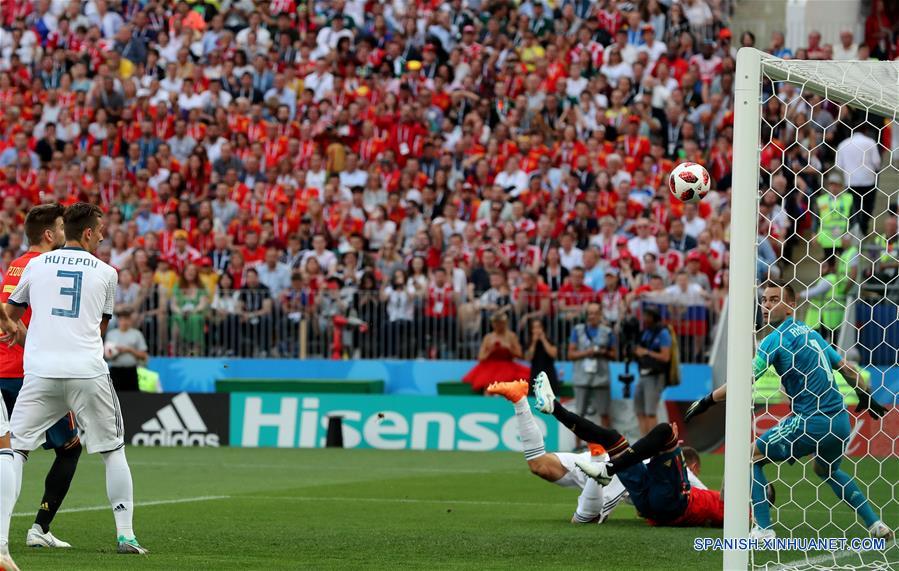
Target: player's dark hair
x,y
40,219
789,294
691,456
79,217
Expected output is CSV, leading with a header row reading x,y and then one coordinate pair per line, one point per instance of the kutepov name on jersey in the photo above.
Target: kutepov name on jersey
x,y
166,438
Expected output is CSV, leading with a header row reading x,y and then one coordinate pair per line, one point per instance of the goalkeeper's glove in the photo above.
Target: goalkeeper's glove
x,y
699,407
866,403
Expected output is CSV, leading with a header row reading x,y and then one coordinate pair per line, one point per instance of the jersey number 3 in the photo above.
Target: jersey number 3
x,y
74,292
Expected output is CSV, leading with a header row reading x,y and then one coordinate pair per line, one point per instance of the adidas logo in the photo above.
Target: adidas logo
x,y
120,508
176,424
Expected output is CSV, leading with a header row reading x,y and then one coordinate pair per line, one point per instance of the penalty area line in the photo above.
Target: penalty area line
x,y
137,505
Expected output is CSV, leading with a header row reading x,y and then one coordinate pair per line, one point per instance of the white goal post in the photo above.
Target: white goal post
x,y
868,87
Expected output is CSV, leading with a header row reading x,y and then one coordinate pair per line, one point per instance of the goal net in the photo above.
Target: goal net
x,y
814,206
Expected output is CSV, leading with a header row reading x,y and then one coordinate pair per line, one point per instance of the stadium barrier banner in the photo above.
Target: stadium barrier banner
x,y
182,419
383,422
401,377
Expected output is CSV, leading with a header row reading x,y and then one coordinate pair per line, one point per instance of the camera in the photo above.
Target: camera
x,y
630,338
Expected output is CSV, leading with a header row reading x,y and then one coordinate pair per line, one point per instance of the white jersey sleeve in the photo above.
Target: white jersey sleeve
x,y
20,295
695,482
109,306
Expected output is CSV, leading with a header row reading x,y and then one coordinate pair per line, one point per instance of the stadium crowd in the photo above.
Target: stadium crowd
x,y
394,171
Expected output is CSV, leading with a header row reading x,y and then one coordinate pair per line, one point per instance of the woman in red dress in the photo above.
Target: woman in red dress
x,y
496,359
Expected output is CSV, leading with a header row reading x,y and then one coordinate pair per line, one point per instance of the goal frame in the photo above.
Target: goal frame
x,y
843,86
741,315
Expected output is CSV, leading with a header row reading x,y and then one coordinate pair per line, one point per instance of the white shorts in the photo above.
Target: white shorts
x,y
4,419
575,478
42,402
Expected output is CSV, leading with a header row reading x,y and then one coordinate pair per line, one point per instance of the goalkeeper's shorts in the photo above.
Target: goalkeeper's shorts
x,y
797,436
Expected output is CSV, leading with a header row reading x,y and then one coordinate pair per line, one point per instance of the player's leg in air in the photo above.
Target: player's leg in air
x,y
7,490
596,502
660,490
825,438
63,439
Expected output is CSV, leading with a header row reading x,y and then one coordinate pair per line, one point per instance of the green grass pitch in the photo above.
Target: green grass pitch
x,y
314,509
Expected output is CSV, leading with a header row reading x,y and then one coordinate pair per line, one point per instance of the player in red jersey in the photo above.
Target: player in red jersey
x,y
44,229
661,489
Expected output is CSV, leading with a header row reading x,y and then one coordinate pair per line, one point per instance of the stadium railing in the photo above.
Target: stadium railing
x,y
356,325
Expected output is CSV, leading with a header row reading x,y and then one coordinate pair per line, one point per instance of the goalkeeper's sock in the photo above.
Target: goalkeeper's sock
x,y
56,485
7,493
120,491
608,438
660,438
844,486
531,437
761,509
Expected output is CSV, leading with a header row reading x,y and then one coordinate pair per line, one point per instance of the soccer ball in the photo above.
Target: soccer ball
x,y
689,182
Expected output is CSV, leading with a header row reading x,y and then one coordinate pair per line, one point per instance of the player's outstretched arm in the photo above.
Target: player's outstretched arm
x,y
865,401
705,403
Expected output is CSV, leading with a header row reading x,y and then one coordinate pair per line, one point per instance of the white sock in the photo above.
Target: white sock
x,y
7,495
18,462
120,491
531,437
589,503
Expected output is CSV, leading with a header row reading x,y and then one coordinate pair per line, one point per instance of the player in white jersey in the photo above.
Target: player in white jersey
x,y
596,502
71,294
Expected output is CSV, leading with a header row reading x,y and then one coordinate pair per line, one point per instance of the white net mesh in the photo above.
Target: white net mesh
x,y
827,226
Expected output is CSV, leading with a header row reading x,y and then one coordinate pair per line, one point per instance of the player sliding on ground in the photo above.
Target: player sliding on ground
x,y
44,229
71,294
664,490
819,424
596,502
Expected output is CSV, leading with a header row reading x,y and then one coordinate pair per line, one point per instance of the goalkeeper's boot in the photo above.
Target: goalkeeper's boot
x,y
761,533
599,471
880,530
37,538
6,562
131,546
545,397
514,391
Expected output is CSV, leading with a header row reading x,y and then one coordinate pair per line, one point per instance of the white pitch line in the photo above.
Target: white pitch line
x,y
307,467
137,505
825,558
403,501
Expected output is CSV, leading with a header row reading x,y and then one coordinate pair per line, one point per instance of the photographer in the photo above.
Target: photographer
x,y
591,347
654,356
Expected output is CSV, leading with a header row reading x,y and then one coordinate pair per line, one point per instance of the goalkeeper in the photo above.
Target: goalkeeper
x,y
819,424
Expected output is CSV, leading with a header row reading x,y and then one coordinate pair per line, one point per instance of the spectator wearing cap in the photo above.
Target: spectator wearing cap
x,y
650,45
612,297
182,253
643,242
725,37
695,271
